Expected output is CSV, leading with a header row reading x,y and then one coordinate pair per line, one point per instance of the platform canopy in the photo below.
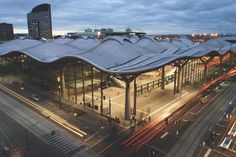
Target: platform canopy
x,y
118,55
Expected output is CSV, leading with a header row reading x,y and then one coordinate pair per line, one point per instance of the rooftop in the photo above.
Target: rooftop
x,y
118,55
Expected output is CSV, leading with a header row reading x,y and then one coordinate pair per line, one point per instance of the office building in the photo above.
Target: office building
x,y
39,22
6,32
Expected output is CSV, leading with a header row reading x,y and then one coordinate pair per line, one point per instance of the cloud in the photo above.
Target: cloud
x,y
162,16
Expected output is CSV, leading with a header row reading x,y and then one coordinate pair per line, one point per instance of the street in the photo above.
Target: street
x,y
22,142
40,127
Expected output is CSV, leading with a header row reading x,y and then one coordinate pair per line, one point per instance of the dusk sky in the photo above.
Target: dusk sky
x,y
152,16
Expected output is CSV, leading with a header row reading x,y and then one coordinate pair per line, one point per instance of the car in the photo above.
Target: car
x,y
207,92
36,97
233,102
226,142
4,149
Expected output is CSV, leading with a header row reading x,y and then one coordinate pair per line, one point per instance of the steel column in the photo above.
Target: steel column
x,y
75,84
92,90
135,97
67,83
175,81
163,77
127,100
82,69
101,86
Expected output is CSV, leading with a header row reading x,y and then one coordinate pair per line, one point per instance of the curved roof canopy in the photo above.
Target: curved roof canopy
x,y
117,55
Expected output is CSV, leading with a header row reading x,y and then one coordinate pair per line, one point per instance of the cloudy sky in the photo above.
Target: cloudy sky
x,y
152,16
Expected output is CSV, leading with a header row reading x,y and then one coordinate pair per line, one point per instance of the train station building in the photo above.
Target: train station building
x,y
113,74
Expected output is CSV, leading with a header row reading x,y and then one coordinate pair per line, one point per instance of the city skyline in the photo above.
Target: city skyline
x,y
165,17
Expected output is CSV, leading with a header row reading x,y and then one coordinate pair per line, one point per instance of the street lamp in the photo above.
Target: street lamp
x,y
59,88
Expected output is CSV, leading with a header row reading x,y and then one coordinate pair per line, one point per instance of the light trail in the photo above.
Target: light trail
x,y
55,118
151,130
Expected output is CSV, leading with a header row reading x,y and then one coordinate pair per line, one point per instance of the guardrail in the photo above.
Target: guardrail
x,y
154,85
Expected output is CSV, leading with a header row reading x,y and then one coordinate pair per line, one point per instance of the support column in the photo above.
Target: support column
x,y
178,79
182,77
75,84
175,81
92,90
101,86
202,71
193,70
135,97
198,70
67,83
62,83
187,72
163,77
127,100
205,72
83,89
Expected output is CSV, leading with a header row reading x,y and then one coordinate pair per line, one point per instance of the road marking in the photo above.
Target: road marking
x,y
6,137
218,134
91,146
111,145
46,113
220,119
208,152
63,142
223,126
209,102
201,109
90,137
184,120
164,135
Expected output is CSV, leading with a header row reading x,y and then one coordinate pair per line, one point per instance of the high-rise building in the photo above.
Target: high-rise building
x,y
6,32
40,22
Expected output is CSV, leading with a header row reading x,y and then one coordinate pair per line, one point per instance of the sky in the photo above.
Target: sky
x,y
151,16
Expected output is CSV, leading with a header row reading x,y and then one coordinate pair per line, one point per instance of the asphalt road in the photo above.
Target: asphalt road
x,y
63,142
21,142
192,138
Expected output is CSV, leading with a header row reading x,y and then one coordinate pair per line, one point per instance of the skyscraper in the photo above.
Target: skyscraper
x,y
39,22
6,32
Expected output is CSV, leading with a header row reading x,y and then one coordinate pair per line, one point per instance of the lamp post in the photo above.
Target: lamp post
x,y
59,88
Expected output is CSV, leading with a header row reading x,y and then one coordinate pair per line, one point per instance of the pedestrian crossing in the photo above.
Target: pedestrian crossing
x,y
64,142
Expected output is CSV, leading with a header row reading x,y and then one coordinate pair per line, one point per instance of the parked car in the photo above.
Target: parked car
x,y
36,97
226,142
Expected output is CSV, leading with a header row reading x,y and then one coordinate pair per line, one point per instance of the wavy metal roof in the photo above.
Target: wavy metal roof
x,y
117,55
